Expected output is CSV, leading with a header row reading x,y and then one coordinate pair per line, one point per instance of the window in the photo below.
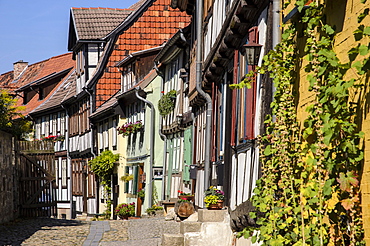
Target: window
x,y
80,63
247,97
114,133
64,173
38,129
105,135
100,136
177,152
77,176
56,162
129,184
54,124
62,123
172,76
128,79
91,185
43,127
199,135
41,93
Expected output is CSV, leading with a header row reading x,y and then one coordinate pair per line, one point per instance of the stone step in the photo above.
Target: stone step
x,y
190,226
191,238
205,215
151,227
172,240
82,217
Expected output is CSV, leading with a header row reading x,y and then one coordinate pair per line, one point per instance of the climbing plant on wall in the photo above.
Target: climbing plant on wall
x,y
309,191
103,166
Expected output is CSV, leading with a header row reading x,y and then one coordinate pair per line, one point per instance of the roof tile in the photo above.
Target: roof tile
x,y
96,23
37,72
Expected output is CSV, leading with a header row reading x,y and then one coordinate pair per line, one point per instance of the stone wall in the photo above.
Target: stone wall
x,y
7,184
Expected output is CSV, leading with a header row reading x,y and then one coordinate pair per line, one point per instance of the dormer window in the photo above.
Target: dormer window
x,y
41,93
28,94
128,78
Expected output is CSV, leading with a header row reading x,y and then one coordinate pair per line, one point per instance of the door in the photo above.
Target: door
x,y
35,165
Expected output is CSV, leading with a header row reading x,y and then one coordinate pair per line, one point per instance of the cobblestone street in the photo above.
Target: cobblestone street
x,y
46,231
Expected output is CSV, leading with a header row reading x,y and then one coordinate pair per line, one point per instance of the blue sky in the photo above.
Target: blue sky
x,y
36,30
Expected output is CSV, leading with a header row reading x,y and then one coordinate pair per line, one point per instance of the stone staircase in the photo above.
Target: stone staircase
x,y
211,228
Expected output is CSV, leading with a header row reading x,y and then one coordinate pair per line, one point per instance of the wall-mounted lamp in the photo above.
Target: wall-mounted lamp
x,y
252,52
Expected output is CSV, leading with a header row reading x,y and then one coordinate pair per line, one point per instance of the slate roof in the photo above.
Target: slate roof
x,y
96,23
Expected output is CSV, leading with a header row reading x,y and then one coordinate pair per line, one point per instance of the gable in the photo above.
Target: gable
x,y
153,27
93,23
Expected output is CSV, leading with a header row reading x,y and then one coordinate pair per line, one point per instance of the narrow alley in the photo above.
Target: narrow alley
x,y
47,231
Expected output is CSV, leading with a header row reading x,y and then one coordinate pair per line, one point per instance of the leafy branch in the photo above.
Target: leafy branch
x,y
309,191
103,167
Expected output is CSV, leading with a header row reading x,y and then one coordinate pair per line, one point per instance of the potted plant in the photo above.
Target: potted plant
x,y
125,210
167,103
185,196
214,198
127,177
155,211
130,128
141,193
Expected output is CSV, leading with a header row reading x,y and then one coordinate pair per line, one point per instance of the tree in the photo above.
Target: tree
x,y
11,120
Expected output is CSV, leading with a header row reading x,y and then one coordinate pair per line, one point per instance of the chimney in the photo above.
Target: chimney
x,y
19,66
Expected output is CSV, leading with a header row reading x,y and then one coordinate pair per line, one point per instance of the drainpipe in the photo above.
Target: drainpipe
x,y
276,10
66,138
198,80
92,151
276,35
164,138
151,160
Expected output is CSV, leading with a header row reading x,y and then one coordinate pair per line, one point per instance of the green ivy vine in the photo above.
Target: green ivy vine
x,y
167,103
103,167
309,191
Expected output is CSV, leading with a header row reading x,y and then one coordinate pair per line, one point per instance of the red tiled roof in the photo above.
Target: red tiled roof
x,y
6,80
59,95
35,72
155,26
41,69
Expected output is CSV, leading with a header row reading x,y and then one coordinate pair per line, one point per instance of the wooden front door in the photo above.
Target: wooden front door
x,y
141,181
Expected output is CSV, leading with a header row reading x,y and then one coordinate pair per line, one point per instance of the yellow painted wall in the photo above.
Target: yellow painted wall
x,y
343,14
121,149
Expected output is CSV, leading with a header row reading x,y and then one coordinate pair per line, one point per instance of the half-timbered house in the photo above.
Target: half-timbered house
x,y
40,89
176,124
127,60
